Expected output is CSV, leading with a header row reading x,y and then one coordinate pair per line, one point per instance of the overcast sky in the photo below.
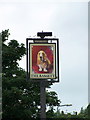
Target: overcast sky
x,y
68,21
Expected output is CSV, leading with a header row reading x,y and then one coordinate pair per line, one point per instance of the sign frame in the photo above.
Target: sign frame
x,y
47,42
42,75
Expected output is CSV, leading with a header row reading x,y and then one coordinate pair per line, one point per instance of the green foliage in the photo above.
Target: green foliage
x,y
52,99
85,113
5,34
88,110
18,95
21,99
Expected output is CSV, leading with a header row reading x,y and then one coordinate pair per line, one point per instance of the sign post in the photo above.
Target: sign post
x,y
42,100
43,64
43,87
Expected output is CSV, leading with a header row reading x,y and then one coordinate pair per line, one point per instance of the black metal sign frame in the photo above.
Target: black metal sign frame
x,y
30,42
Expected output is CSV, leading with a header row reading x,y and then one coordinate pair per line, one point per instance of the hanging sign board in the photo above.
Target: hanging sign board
x,y
42,61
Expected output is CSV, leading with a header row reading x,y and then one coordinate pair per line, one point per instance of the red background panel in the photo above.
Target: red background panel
x,y
47,50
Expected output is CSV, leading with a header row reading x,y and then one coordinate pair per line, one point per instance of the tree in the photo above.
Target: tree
x,y
20,97
88,110
84,113
0,77
52,100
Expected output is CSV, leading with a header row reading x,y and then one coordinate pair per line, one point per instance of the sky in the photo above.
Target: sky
x,y
68,21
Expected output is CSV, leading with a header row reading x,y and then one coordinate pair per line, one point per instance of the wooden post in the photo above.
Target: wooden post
x,y
43,100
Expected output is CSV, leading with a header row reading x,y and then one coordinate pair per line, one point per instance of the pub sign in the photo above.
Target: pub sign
x,y
43,59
